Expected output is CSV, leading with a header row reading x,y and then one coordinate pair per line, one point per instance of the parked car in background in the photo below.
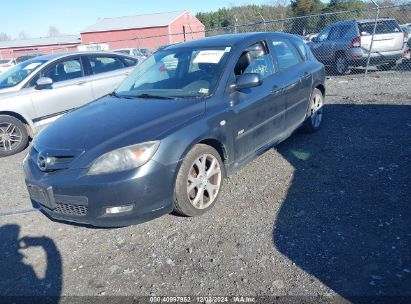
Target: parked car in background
x,y
346,44
310,37
39,90
26,57
165,139
6,64
141,54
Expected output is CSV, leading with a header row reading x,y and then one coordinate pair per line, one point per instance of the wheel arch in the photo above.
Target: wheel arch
x,y
321,87
27,122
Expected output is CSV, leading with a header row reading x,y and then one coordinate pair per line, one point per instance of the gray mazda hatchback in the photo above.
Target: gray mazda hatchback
x,y
187,117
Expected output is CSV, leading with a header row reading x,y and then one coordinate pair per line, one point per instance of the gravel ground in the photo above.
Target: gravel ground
x,y
326,214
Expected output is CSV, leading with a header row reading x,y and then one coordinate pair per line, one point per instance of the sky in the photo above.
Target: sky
x,y
71,16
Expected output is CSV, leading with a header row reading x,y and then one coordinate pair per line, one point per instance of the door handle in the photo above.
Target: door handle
x,y
81,83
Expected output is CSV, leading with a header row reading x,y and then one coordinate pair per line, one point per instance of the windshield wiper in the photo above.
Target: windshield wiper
x,y
149,96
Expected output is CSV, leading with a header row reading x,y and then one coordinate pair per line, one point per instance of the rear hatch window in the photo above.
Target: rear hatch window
x,y
383,27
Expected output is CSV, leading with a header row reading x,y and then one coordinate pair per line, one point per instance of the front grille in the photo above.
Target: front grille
x,y
77,210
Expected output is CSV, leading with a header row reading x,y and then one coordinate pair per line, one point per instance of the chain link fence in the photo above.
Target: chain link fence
x,y
372,39
348,41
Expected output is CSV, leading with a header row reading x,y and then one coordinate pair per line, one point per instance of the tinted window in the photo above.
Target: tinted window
x,y
287,54
346,31
64,70
302,48
324,34
255,59
383,27
101,64
129,61
122,51
335,33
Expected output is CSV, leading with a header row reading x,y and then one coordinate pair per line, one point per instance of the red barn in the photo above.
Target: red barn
x,y
144,31
47,45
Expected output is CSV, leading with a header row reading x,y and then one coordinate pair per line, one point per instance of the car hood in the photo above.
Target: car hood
x,y
110,123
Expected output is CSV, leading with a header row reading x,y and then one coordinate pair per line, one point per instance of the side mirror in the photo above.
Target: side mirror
x,y
43,82
248,80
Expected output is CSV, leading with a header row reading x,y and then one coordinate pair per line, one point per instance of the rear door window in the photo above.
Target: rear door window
x,y
287,55
102,64
383,27
129,61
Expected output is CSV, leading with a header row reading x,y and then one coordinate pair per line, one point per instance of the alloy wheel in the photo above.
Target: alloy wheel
x,y
204,181
316,110
10,136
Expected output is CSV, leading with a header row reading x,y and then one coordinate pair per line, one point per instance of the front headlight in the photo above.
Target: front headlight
x,y
124,158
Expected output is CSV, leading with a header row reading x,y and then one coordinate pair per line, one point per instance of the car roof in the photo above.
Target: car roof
x,y
360,21
49,57
227,40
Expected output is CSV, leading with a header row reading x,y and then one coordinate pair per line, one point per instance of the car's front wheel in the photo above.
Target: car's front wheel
x,y
13,135
199,181
315,112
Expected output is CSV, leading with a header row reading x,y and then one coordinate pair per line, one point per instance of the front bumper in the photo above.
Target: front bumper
x,y
71,195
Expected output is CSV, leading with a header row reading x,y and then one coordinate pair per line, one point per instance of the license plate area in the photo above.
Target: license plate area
x,y
43,196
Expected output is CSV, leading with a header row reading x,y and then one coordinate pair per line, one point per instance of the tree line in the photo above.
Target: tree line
x,y
271,16
52,32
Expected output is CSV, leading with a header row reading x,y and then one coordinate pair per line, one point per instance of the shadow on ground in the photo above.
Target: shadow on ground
x,y
347,215
18,278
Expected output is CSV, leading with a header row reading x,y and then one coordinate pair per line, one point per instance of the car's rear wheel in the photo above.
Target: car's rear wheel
x,y
13,135
315,112
199,181
341,64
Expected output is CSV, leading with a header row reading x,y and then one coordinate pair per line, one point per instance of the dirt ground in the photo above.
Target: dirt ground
x,y
325,214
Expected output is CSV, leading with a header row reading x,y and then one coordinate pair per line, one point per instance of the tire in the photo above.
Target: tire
x,y
13,136
191,196
341,64
315,112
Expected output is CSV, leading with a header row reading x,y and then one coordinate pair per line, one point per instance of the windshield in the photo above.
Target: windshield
x,y
383,27
4,61
179,73
18,73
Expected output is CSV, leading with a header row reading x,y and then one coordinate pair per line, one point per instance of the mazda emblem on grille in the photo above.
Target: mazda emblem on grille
x,y
42,162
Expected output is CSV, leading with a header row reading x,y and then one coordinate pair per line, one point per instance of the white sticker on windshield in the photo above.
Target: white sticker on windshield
x,y
209,56
32,66
203,91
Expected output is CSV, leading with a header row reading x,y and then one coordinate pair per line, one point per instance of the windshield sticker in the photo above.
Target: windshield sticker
x,y
203,91
209,56
32,66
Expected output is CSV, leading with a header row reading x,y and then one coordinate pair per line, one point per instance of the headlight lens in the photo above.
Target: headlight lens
x,y
124,158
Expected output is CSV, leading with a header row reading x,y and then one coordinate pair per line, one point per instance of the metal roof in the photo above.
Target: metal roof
x,y
66,39
133,22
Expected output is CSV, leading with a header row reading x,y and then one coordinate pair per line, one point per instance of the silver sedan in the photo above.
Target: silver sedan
x,y
36,92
